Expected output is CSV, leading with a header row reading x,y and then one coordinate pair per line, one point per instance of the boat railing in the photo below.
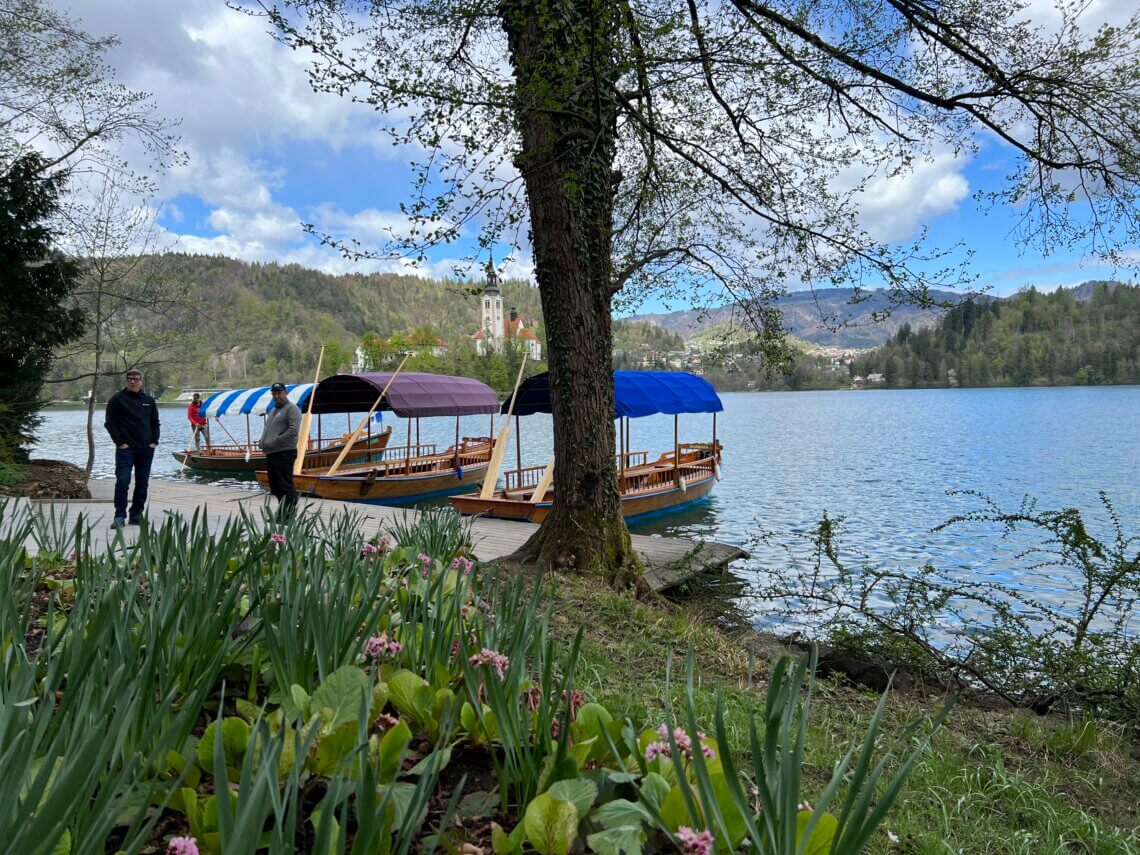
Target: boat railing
x,y
632,458
522,479
420,458
697,460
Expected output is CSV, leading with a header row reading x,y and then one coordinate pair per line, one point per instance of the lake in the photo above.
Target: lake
x,y
882,459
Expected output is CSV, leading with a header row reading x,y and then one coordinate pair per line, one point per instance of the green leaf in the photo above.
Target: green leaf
x,y
614,841
578,791
551,824
297,703
341,691
674,812
334,749
477,804
821,836
412,696
592,718
433,763
621,812
63,845
235,740
654,789
503,843
392,747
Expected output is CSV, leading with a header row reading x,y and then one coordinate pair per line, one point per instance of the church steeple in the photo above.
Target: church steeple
x,y
492,307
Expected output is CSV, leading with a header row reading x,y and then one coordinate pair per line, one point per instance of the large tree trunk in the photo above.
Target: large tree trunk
x,y
561,54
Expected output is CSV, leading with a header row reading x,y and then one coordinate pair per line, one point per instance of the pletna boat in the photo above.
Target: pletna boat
x,y
416,469
646,485
235,457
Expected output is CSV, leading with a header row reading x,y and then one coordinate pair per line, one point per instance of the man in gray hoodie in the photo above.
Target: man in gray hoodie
x,y
279,442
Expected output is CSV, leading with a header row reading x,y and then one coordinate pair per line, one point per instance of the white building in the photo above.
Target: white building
x,y
495,329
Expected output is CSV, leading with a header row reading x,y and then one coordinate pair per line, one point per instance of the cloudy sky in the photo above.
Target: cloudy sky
x,y
265,154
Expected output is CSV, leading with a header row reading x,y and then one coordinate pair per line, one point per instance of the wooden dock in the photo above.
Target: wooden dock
x,y
669,561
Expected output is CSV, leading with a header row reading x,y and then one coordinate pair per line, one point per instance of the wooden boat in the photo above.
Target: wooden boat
x,y
676,478
245,457
232,458
410,472
414,470
645,487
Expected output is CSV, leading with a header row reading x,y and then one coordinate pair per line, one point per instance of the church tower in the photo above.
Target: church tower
x,y
492,309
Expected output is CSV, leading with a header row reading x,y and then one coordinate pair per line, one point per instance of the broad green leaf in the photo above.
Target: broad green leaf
x,y
821,836
621,812
334,749
341,691
551,824
674,813
654,789
729,811
411,696
403,794
477,804
297,702
591,719
392,746
235,740
379,699
503,843
578,791
614,841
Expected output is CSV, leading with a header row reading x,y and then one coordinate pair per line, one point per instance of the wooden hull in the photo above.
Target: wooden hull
x,y
648,489
398,480
232,459
632,506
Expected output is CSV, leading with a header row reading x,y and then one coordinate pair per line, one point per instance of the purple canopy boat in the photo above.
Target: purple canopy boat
x,y
414,470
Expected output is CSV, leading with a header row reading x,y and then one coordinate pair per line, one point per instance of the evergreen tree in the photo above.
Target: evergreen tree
x,y
37,283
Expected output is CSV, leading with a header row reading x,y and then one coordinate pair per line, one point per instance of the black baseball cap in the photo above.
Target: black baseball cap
x,y
278,387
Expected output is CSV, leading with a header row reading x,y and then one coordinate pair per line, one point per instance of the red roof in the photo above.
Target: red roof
x,y
511,329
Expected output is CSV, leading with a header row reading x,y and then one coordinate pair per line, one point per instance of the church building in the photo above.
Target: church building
x,y
495,328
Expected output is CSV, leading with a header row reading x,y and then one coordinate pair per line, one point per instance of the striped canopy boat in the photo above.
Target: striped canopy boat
x,y
236,456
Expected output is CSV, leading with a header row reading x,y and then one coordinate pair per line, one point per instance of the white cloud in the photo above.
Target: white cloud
x,y
893,208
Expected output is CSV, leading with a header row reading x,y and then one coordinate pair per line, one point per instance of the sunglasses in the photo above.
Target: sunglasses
x,y
134,379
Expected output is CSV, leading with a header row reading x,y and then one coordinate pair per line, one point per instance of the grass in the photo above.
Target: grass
x,y
992,780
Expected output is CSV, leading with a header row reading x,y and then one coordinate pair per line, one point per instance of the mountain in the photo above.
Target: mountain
x,y
825,317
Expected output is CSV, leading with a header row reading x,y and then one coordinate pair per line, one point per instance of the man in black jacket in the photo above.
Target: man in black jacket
x,y
132,422
279,442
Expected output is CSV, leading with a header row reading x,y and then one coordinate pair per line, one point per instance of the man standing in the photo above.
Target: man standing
x,y
279,442
199,426
132,422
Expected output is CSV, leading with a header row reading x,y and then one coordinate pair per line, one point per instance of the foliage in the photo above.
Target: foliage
x,y
1078,652
292,689
37,285
11,474
1029,339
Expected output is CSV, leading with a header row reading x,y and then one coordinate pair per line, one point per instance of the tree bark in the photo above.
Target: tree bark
x,y
561,55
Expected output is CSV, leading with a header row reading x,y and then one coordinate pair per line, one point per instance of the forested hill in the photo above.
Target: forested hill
x,y
1087,335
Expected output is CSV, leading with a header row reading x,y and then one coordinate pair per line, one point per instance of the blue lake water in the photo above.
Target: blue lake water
x,y
883,459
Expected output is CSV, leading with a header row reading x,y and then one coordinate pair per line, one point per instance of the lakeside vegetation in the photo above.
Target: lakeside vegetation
x,y
390,694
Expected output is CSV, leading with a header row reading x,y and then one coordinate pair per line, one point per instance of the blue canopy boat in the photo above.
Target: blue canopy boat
x,y
680,476
236,456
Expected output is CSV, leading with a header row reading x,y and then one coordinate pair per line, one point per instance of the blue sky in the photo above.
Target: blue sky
x,y
265,154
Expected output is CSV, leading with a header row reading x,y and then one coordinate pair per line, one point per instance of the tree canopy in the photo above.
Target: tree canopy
x,y
653,144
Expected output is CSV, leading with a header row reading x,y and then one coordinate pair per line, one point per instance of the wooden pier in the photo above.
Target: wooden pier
x,y
669,561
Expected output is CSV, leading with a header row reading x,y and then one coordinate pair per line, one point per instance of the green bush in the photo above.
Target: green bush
x,y
11,474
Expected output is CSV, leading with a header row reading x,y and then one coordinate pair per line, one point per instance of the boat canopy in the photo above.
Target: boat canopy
x,y
636,394
251,402
411,394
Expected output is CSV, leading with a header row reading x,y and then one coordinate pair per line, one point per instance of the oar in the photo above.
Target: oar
x,y
543,483
364,422
307,419
221,424
186,454
500,449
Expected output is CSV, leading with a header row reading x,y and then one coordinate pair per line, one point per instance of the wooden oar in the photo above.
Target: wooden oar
x,y
500,449
307,419
543,482
186,454
364,422
222,425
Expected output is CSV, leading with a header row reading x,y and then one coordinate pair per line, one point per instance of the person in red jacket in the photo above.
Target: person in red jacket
x,y
199,425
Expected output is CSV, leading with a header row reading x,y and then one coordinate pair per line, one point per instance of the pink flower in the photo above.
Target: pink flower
x,y
279,539
386,722
694,842
370,550
461,563
656,749
384,541
379,646
684,744
182,846
494,658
